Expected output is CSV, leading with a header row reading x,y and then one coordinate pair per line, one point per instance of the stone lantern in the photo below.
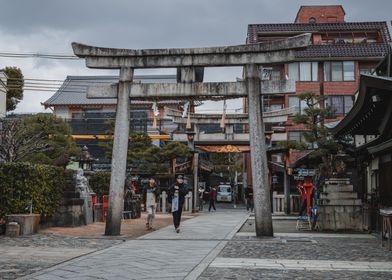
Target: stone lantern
x,y
86,160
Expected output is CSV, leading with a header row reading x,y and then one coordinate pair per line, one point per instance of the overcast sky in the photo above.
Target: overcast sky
x,y
49,26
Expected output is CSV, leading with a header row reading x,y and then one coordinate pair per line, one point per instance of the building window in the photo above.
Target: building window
x,y
303,71
275,75
312,20
273,107
138,121
299,136
341,104
299,104
339,71
294,136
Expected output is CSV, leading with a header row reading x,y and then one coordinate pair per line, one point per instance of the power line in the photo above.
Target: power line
x,y
38,55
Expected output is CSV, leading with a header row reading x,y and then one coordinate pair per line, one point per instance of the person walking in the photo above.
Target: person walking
x,y
249,198
212,198
152,194
176,196
201,198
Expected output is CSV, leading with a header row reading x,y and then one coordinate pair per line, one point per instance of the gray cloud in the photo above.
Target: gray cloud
x,y
51,25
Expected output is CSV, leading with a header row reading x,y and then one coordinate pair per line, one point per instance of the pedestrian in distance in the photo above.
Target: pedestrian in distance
x,y
212,198
152,193
249,198
176,196
201,198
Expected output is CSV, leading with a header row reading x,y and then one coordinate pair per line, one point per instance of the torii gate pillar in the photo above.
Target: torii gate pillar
x,y
119,158
258,153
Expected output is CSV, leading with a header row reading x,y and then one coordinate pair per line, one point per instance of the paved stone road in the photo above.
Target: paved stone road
x,y
210,247
301,255
28,254
162,254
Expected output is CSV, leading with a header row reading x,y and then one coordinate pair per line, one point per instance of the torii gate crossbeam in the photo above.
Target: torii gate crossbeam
x,y
187,60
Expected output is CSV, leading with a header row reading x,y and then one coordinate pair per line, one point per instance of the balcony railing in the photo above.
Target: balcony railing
x,y
100,126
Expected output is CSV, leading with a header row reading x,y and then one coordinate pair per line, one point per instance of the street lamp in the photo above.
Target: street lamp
x,y
190,134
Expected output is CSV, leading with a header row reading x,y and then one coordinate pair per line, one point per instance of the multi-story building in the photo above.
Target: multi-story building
x,y
331,66
88,118
339,52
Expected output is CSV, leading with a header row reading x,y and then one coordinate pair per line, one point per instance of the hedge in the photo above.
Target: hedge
x,y
21,183
100,182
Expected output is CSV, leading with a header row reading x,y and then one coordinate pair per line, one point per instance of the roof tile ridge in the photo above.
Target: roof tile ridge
x,y
59,91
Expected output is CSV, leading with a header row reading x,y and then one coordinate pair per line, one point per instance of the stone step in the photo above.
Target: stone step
x,y
338,195
338,188
339,202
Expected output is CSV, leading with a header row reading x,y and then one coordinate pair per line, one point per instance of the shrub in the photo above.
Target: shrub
x,y
100,182
21,183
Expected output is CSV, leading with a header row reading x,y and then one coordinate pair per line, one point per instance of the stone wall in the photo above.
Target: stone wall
x,y
339,207
70,210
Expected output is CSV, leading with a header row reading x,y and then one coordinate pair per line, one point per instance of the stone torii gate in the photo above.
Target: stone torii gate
x,y
189,62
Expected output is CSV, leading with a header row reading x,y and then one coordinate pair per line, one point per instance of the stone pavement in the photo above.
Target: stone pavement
x,y
30,253
221,245
162,254
300,255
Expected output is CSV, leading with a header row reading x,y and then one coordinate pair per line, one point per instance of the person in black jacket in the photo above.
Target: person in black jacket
x,y
249,198
176,197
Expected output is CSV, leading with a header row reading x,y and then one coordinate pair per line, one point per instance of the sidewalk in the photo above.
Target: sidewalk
x,y
223,245
162,254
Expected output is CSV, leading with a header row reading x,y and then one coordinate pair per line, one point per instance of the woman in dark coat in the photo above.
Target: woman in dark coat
x,y
176,197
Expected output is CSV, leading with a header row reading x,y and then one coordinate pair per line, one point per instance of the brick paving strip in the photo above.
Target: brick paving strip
x,y
310,235
286,264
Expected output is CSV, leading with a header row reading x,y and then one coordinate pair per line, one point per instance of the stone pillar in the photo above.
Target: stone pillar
x,y
195,182
261,190
190,202
286,186
119,155
164,200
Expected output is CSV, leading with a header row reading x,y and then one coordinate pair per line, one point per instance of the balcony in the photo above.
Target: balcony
x,y
100,126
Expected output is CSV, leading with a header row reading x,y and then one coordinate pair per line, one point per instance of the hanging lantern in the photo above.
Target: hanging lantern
x,y
156,114
154,123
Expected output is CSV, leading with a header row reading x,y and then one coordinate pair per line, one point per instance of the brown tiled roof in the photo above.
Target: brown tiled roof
x,y
320,27
73,92
344,51
326,51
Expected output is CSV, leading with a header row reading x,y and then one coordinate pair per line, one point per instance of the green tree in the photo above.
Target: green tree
x,y
41,138
151,158
15,84
227,163
146,156
313,119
